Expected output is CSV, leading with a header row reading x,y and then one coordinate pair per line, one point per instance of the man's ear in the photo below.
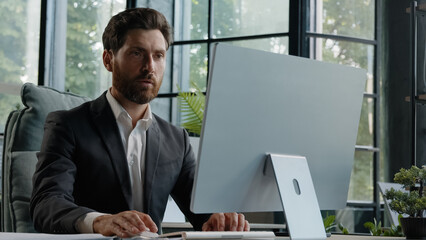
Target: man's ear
x,y
107,59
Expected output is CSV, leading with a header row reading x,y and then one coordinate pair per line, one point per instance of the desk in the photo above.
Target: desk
x,y
40,236
362,237
186,226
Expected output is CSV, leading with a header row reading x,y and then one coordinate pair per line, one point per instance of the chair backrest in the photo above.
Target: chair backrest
x,y
22,139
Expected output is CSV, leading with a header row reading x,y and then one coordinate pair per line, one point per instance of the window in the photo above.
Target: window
x,y
85,73
343,32
73,46
19,49
198,24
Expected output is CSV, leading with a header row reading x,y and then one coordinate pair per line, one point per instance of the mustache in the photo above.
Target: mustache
x,y
147,75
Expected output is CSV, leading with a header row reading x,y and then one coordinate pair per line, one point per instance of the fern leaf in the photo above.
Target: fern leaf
x,y
192,108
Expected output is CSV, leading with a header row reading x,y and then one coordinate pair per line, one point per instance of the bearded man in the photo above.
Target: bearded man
x,y
109,165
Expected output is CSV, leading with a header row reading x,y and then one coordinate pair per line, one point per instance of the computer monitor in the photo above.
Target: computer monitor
x,y
260,102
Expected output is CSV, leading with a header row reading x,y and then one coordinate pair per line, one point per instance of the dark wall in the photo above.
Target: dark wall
x,y
396,86
421,86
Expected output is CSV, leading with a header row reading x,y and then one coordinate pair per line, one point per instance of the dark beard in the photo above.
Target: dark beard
x,y
135,96
132,91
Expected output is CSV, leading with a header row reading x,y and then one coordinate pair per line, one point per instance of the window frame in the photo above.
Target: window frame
x,y
375,96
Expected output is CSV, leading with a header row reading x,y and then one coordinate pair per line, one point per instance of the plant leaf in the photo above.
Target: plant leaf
x,y
192,106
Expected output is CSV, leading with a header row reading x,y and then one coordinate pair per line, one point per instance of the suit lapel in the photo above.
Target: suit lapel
x,y
153,139
108,130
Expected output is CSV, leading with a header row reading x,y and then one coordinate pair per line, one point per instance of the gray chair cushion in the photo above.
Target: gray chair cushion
x,y
23,136
38,102
21,171
6,219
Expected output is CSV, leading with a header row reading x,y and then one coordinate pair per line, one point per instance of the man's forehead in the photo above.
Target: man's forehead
x,y
141,37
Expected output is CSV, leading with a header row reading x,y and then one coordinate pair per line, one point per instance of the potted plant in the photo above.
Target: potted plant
x,y
412,202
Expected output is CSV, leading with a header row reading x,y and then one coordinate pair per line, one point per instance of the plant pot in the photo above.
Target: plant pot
x,y
414,228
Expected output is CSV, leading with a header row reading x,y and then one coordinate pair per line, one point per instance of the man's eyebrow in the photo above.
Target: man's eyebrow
x,y
162,50
137,48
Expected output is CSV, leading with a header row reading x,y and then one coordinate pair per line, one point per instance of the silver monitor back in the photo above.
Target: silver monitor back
x,y
260,102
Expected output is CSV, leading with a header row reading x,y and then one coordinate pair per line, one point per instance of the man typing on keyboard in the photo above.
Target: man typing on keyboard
x,y
109,165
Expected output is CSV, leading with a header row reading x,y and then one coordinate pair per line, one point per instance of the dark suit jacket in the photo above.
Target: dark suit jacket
x,y
82,167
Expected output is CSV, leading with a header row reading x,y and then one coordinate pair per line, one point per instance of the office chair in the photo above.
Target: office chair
x,y
22,139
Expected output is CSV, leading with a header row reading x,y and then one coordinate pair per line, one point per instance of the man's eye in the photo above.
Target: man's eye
x,y
136,53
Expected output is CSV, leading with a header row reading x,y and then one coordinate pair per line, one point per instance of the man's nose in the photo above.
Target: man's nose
x,y
148,64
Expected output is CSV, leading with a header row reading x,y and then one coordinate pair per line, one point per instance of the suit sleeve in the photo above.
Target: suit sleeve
x,y
183,189
52,206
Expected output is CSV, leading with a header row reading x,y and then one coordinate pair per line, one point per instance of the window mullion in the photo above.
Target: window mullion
x,y
55,45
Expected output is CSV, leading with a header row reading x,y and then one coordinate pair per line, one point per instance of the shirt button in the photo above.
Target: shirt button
x,y
131,162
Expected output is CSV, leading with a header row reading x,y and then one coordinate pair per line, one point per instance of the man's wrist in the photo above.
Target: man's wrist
x,y
85,223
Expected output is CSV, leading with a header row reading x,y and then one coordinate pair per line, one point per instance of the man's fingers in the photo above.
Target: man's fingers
x,y
241,222
124,224
220,222
119,231
138,222
148,222
246,226
207,226
130,222
226,222
231,221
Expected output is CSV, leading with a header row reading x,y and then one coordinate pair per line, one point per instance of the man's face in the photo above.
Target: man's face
x,y
138,66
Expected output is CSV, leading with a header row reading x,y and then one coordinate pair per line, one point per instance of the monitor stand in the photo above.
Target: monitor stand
x,y
298,197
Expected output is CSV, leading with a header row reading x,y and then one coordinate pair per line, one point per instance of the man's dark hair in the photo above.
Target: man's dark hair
x,y
115,32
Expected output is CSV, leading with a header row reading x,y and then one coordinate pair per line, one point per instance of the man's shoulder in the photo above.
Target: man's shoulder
x,y
166,126
78,110
162,122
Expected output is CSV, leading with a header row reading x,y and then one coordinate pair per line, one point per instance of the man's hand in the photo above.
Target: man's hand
x,y
124,224
226,222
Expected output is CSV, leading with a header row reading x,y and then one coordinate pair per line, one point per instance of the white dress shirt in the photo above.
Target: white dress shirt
x,y
134,143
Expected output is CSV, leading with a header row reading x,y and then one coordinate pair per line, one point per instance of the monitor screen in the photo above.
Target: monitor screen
x,y
260,102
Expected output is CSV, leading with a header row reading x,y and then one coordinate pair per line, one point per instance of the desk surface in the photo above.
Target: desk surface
x,y
361,237
37,236
186,225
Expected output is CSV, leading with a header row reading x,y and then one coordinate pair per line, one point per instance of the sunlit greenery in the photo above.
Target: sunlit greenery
x,y
18,49
234,18
354,18
198,53
86,20
19,44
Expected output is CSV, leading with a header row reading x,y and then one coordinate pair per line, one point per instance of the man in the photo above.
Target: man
x,y
109,165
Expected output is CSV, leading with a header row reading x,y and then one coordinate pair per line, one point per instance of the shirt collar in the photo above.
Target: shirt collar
x,y
118,110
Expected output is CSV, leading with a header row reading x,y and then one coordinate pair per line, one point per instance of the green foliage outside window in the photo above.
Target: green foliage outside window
x,y
198,53
16,64
354,19
86,20
82,57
